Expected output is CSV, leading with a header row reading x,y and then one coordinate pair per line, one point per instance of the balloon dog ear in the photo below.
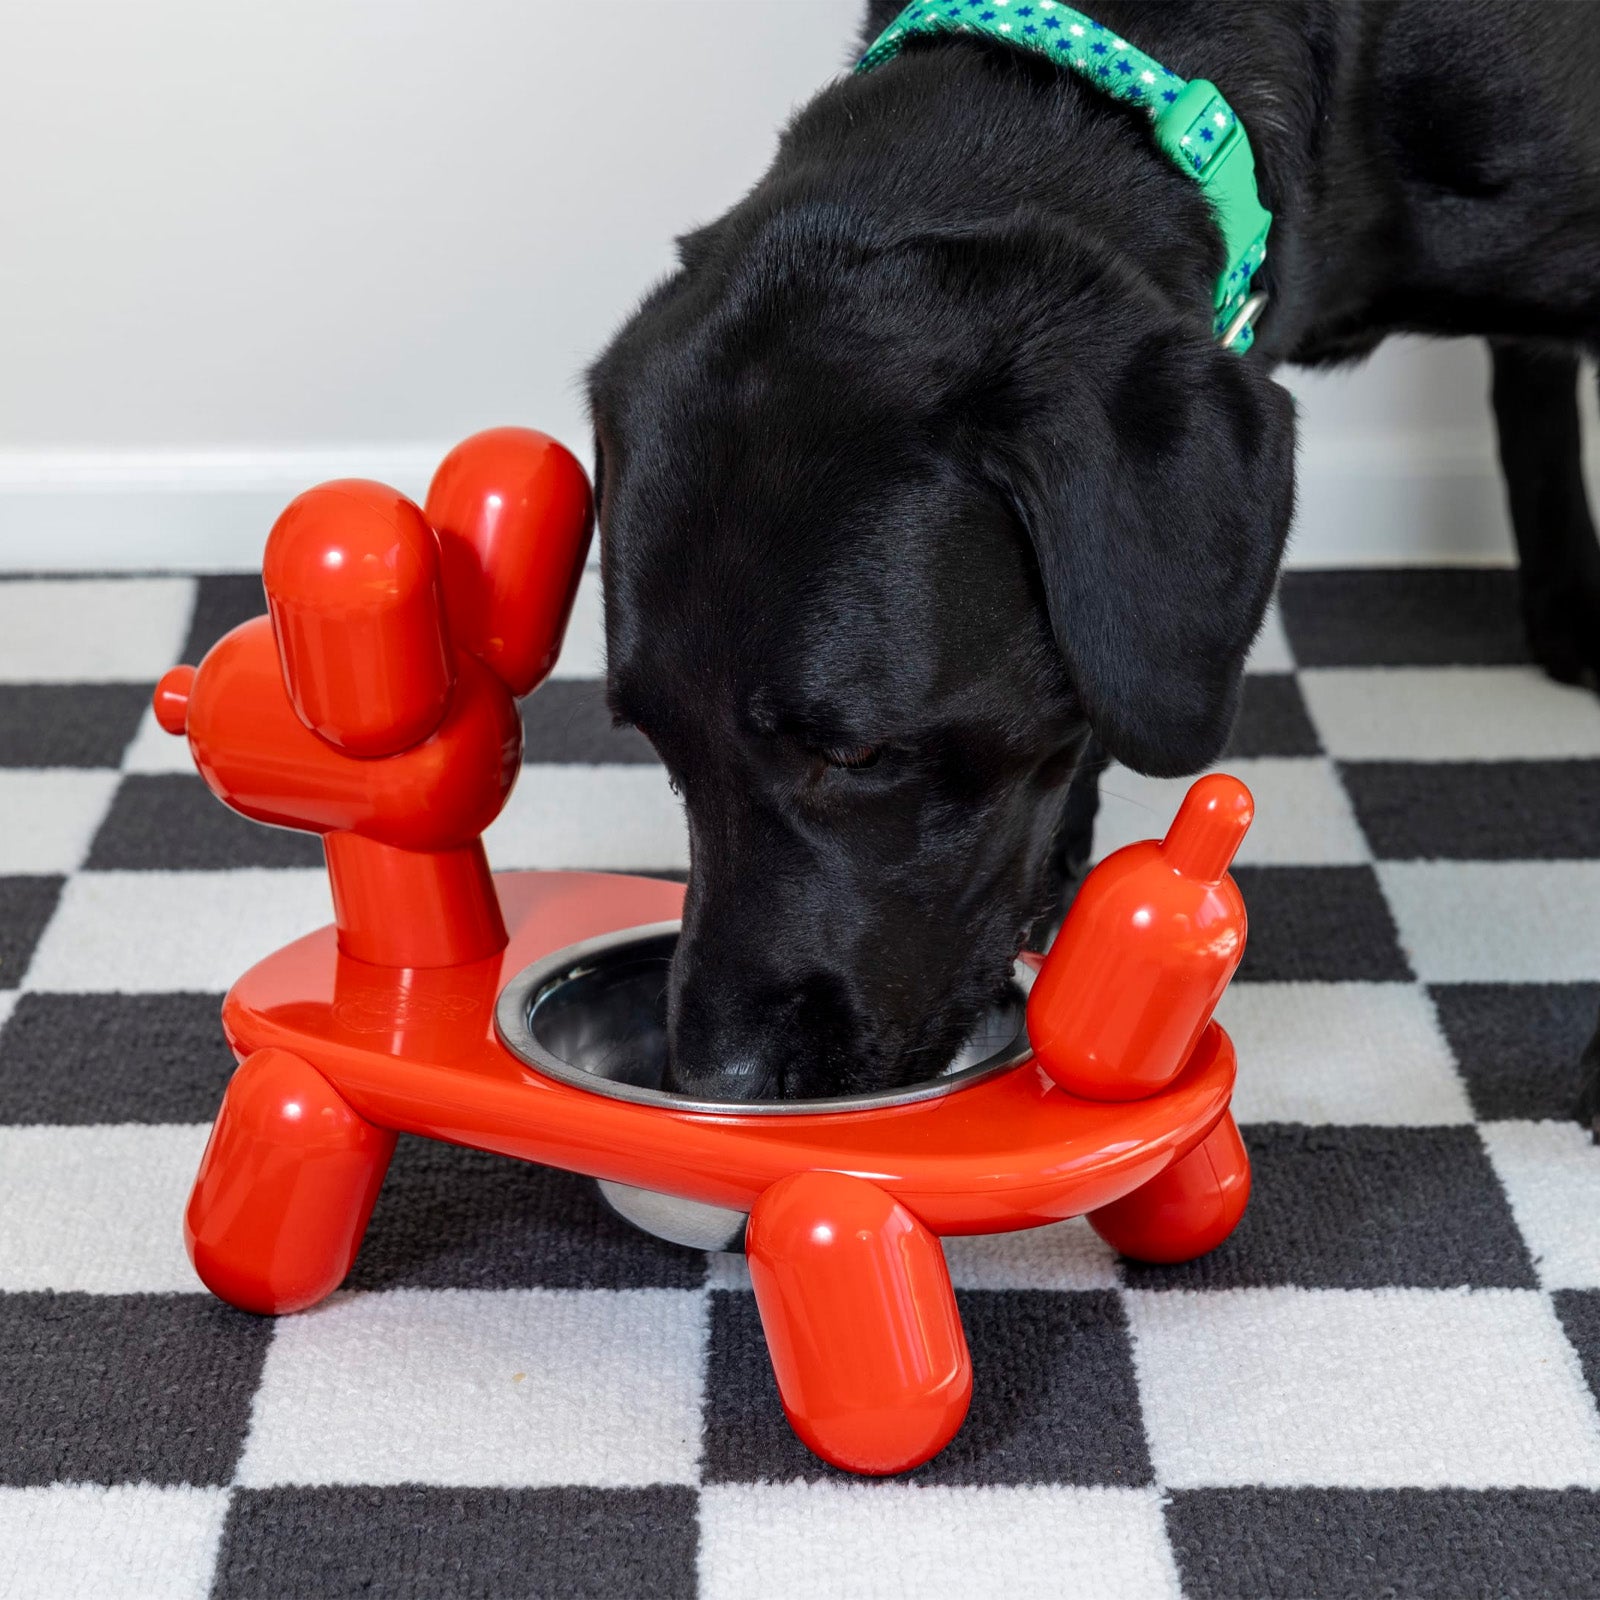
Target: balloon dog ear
x,y
513,512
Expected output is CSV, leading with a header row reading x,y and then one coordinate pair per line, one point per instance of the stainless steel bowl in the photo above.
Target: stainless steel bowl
x,y
595,1015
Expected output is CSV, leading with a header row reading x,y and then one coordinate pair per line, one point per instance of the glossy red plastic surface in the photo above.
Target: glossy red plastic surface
x,y
451,912
352,714
861,1322
352,581
286,1186
1148,946
1189,1210
367,719
171,699
514,514
416,1049
260,758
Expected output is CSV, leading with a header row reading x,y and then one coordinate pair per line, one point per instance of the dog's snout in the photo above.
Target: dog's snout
x,y
718,1052
739,1031
745,1077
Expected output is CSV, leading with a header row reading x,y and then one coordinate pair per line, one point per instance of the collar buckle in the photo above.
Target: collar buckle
x,y
1244,320
1201,132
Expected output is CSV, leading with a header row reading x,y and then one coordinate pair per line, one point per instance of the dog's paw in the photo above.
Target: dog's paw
x,y
1564,633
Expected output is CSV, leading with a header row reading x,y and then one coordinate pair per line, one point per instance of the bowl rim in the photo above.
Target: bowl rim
x,y
522,992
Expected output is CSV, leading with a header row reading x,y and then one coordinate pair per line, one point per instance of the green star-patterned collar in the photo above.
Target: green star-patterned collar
x,y
1191,120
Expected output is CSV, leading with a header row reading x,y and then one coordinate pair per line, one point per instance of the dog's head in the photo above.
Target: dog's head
x,y
889,526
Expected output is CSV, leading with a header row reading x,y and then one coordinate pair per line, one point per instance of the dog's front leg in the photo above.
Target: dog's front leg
x,y
1589,1095
1535,395
1541,454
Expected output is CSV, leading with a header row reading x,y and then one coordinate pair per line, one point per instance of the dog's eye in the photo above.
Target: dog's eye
x,y
857,760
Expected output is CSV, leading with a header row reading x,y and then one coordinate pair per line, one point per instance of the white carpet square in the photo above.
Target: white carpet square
x,y
1061,1255
153,749
1379,1388
148,931
1497,921
582,816
828,1541
97,1209
520,1387
1303,816
1450,714
1551,1174
1341,1052
92,630
727,1269
48,817
127,1542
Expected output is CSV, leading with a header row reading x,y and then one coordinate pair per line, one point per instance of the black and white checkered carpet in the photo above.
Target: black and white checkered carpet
x,y
1384,1384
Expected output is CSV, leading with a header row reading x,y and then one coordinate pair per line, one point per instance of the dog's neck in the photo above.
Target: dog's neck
x,y
1415,157
964,133
1189,119
949,140
1379,225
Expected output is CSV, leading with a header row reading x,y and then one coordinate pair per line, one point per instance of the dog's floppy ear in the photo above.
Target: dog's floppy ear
x,y
1154,474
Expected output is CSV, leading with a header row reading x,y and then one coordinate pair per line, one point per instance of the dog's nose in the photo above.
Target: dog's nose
x,y
737,1078
723,1042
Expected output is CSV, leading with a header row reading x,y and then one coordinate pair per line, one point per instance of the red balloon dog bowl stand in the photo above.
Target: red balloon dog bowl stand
x,y
376,707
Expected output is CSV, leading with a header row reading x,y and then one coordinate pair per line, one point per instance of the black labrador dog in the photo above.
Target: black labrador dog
x,y
924,485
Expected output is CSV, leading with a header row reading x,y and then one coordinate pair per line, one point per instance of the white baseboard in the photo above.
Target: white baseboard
x,y
1379,501
204,511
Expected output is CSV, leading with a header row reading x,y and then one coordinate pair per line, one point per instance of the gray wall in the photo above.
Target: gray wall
x,y
250,246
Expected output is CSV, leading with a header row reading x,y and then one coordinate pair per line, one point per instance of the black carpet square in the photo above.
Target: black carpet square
x,y
1517,1044
1318,925
222,601
1372,1544
125,1388
1579,1310
26,907
172,822
414,1542
69,724
1413,617
1273,720
450,1218
1054,1396
98,1058
567,721
1477,810
1362,1208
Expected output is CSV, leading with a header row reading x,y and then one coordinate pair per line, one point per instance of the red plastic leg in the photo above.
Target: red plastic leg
x,y
1188,1209
413,908
285,1187
861,1322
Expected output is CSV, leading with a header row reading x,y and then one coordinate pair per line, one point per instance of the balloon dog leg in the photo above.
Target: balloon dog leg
x,y
285,1187
1188,1209
861,1322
